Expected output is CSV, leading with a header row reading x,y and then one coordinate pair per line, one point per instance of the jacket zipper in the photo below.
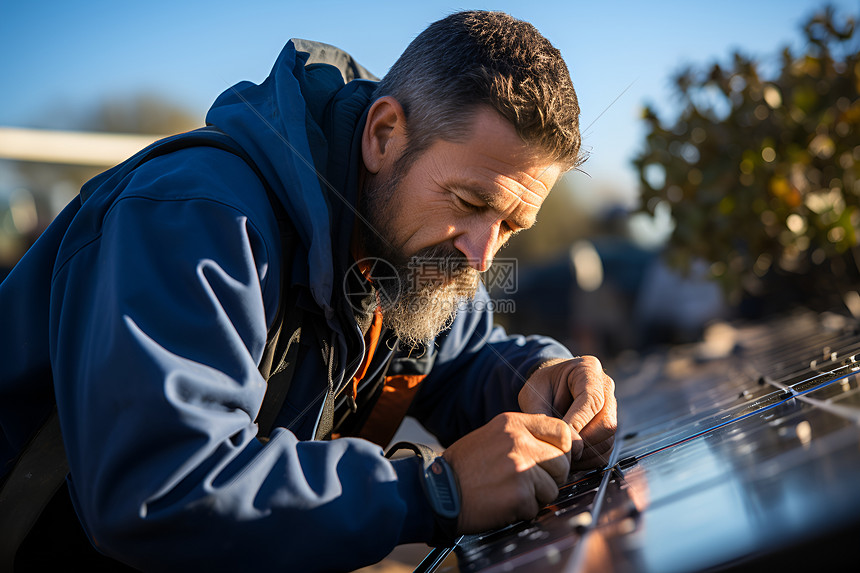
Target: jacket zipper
x,y
347,379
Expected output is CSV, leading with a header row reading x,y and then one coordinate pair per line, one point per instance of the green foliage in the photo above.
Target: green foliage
x,y
762,174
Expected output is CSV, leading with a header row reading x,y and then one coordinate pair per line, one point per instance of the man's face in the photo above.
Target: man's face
x,y
442,220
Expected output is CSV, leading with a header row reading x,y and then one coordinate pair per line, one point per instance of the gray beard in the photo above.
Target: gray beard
x,y
429,287
421,309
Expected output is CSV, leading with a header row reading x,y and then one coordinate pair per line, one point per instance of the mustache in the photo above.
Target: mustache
x,y
428,273
441,262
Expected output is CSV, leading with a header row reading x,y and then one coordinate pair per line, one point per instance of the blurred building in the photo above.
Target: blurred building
x,y
607,294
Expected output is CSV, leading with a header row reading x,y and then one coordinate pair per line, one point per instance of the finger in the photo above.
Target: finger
x,y
538,394
577,445
589,464
558,466
548,444
587,384
536,399
604,424
545,488
548,429
599,451
595,455
551,458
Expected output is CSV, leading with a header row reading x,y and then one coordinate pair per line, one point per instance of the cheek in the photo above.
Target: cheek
x,y
427,223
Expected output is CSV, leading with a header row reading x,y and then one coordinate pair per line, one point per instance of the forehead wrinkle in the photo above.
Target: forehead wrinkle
x,y
525,196
491,200
490,196
509,184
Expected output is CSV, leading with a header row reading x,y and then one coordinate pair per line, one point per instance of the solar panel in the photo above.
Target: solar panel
x,y
739,451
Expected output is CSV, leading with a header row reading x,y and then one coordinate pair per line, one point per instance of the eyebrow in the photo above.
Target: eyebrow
x,y
491,200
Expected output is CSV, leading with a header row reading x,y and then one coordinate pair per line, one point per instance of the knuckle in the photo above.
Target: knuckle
x,y
608,424
513,425
521,464
611,424
505,420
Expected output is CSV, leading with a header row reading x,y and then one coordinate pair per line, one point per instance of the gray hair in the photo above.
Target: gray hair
x,y
485,58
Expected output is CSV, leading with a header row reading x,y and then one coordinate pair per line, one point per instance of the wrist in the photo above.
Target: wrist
x,y
450,502
442,491
419,522
545,364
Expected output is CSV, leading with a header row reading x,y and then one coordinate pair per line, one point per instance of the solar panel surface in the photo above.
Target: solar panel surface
x,y
739,451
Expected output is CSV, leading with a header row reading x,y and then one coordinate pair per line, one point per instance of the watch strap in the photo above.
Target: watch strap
x,y
440,486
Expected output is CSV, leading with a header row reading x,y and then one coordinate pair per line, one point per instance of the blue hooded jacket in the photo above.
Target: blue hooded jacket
x,y
143,311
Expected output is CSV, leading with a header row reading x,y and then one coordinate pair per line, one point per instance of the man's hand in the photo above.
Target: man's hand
x,y
581,394
509,468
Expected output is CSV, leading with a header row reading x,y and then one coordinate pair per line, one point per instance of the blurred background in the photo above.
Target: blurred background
x,y
723,177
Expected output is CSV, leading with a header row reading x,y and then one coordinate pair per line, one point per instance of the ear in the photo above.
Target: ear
x,y
384,136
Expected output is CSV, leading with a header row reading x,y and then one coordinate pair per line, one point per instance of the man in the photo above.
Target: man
x,y
145,311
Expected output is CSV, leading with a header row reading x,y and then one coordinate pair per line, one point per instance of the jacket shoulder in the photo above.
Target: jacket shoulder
x,y
199,173
321,53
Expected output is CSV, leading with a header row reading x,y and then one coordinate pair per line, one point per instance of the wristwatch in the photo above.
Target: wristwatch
x,y
441,488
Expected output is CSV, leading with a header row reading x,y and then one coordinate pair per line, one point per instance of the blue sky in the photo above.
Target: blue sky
x,y
59,57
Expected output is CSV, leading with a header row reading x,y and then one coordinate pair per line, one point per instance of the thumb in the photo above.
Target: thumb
x,y
536,399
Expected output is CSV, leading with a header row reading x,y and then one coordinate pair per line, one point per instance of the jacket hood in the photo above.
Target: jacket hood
x,y
291,125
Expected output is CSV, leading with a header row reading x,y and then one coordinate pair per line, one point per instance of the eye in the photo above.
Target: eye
x,y
465,205
508,231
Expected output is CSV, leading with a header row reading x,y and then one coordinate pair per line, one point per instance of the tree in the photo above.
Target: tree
x,y
762,174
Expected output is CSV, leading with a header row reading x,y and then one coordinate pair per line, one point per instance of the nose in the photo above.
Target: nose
x,y
479,244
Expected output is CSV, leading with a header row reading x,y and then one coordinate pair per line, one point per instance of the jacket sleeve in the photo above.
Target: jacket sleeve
x,y
157,330
478,372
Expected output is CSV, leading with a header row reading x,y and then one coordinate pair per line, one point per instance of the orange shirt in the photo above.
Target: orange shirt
x,y
398,392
